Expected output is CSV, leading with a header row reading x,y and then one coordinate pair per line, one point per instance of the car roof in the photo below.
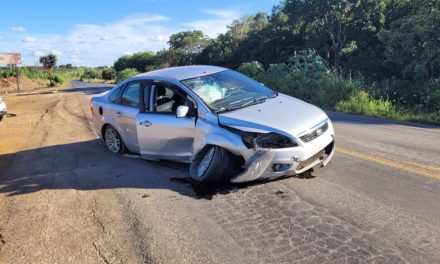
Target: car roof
x,y
184,72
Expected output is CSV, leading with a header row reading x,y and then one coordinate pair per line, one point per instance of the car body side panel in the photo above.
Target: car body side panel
x,y
107,119
125,116
165,136
209,133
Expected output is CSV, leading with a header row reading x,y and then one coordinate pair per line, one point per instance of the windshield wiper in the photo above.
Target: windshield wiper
x,y
273,95
249,103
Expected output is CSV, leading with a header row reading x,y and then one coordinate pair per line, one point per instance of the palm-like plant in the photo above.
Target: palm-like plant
x,y
49,62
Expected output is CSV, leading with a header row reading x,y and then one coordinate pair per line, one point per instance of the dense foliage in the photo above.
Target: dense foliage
x,y
125,74
334,53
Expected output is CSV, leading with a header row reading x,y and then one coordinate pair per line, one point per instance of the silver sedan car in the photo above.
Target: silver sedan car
x,y
3,109
227,125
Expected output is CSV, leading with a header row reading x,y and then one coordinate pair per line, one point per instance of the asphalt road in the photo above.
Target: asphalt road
x,y
65,199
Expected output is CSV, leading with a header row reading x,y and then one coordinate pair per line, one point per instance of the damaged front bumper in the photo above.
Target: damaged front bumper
x,y
262,164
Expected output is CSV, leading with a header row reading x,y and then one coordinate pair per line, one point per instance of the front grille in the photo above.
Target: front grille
x,y
314,134
309,161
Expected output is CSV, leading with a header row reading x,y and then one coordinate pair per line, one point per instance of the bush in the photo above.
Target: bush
x,y
108,74
251,69
58,79
7,72
325,91
125,74
91,74
362,103
309,63
274,77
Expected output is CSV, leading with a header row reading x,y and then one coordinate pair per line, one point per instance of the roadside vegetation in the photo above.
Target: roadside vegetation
x,y
377,58
49,74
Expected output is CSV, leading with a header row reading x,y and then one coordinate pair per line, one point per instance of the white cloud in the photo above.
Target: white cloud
x,y
29,40
39,53
18,29
216,25
57,52
159,38
102,44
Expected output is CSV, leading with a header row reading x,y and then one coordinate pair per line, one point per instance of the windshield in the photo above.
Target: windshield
x,y
227,90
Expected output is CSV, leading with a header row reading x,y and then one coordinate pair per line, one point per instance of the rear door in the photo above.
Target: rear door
x,y
161,134
125,113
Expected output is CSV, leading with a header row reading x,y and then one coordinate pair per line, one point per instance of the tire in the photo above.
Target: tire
x,y
211,165
113,140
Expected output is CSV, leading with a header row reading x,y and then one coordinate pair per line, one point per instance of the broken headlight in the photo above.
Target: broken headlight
x,y
263,140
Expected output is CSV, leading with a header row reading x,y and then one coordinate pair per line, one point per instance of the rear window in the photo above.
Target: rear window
x,y
114,97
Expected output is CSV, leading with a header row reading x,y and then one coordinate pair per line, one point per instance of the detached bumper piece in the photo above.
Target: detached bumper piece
x,y
262,165
255,166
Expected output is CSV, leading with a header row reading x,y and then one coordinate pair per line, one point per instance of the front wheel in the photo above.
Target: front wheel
x,y
211,165
113,140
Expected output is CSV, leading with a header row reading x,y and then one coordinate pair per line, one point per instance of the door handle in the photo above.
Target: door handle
x,y
145,123
119,114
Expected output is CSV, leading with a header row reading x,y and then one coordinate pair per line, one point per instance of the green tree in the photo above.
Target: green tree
x,y
335,27
139,61
251,69
413,42
187,45
49,62
239,44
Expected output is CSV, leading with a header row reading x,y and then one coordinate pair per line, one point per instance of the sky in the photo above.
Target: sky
x,y
96,33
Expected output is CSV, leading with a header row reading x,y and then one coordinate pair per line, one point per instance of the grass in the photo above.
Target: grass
x,y
349,95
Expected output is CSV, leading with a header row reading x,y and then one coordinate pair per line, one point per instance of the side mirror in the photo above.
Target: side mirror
x,y
182,111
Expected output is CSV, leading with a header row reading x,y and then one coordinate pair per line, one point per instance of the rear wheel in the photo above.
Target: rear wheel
x,y
113,140
211,165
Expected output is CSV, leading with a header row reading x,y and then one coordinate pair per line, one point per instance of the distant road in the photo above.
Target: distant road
x,y
65,199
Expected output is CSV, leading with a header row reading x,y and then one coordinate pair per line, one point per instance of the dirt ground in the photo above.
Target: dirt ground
x,y
9,85
24,112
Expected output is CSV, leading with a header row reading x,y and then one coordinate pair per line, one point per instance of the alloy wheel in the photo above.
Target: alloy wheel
x,y
205,162
113,140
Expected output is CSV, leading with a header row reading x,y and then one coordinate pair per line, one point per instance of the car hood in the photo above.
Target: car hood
x,y
282,114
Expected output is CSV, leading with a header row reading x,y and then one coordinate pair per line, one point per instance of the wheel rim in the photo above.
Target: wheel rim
x,y
112,140
205,162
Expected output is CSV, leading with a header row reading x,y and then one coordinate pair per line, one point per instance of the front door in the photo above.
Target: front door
x,y
161,134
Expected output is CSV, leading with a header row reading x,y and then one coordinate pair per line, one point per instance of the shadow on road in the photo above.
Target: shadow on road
x,y
89,166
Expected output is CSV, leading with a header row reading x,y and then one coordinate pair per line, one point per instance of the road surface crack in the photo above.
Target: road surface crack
x,y
100,254
100,224
2,241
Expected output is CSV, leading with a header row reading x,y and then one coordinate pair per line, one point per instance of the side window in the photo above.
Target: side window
x,y
130,96
168,99
115,96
